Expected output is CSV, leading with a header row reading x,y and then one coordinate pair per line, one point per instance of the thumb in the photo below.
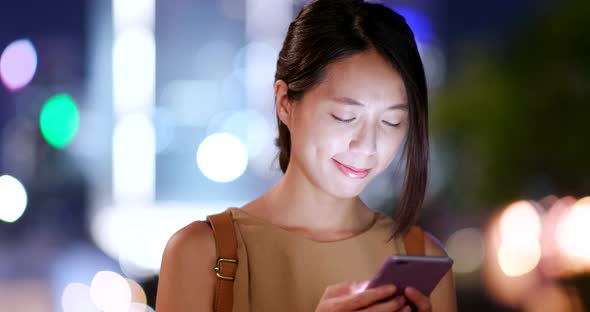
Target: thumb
x,y
345,288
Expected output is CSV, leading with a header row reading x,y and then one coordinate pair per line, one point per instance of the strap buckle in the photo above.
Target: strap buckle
x,y
218,268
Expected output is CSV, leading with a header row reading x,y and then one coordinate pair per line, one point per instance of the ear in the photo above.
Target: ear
x,y
284,107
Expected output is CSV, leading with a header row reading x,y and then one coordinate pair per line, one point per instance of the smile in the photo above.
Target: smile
x,y
351,172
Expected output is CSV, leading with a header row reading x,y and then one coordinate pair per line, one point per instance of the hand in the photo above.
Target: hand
x,y
418,300
352,296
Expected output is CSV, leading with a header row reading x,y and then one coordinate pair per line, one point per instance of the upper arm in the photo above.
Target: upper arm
x,y
443,297
187,279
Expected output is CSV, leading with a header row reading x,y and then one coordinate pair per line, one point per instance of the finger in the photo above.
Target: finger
x,y
421,302
359,287
406,309
391,305
365,298
344,288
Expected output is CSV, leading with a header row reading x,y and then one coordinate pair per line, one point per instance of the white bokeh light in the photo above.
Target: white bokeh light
x,y
573,231
18,64
133,12
134,59
466,247
142,244
261,62
256,63
110,292
134,151
76,298
267,18
520,224
13,199
222,157
116,230
518,260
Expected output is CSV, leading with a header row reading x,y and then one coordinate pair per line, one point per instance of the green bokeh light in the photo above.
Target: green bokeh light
x,y
59,120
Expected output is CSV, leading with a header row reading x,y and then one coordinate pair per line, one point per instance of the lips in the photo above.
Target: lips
x,y
351,172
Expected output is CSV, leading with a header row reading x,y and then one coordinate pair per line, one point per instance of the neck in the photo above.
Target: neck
x,y
295,202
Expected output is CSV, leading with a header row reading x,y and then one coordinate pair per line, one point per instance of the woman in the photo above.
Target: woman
x,y
350,92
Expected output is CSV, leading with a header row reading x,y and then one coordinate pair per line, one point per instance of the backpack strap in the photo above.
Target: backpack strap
x,y
227,259
414,241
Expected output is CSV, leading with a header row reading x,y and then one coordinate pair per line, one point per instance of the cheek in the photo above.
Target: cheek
x,y
389,148
324,137
312,141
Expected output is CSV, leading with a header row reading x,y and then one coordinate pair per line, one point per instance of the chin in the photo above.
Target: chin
x,y
347,191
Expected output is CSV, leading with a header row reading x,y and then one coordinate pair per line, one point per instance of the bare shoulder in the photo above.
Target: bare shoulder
x,y
187,279
196,232
443,297
432,246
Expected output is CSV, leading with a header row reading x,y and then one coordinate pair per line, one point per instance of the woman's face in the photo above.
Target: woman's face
x,y
348,128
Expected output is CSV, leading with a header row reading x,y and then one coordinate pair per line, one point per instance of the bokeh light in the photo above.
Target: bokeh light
x,y
267,18
466,247
250,127
518,260
520,229
573,231
134,59
13,199
520,224
76,298
110,291
260,64
136,236
141,244
222,157
18,64
257,61
505,265
59,120
134,158
133,12
137,292
77,262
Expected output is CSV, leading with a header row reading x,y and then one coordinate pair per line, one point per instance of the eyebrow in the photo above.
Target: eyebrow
x,y
349,101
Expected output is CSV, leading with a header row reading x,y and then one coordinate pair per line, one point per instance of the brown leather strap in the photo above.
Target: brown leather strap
x,y
414,241
226,265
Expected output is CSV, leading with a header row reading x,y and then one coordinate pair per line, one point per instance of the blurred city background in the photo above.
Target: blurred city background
x,y
122,121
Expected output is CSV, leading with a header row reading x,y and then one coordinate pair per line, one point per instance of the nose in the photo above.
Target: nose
x,y
365,140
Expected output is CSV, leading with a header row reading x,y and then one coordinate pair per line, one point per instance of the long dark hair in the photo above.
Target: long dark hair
x,y
327,30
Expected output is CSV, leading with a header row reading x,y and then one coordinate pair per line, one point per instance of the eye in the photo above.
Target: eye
x,y
392,124
341,119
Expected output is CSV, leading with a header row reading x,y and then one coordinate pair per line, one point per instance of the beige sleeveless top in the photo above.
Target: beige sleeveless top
x,y
280,270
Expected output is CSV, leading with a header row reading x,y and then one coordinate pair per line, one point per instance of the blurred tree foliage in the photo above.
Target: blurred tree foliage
x,y
517,118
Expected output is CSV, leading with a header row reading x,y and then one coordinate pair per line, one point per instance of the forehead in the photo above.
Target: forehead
x,y
366,77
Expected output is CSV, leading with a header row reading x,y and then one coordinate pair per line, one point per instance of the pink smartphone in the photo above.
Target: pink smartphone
x,y
420,272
